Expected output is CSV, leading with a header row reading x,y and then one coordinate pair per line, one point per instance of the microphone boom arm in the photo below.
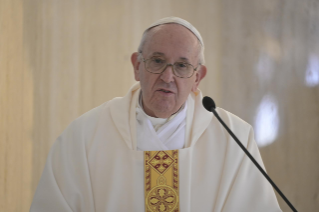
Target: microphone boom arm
x,y
211,108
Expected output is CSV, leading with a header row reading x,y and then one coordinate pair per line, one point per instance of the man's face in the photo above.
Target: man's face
x,y
163,94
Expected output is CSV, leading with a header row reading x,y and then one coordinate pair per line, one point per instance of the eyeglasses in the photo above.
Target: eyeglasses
x,y
157,65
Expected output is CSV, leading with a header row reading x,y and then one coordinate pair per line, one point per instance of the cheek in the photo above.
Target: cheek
x,y
147,83
189,86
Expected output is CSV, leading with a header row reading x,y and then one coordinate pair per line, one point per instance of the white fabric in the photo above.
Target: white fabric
x,y
179,21
93,165
156,122
160,134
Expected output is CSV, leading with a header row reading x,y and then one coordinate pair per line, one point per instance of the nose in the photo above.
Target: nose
x,y
167,75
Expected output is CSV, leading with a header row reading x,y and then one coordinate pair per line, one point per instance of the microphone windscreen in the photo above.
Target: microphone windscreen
x,y
208,103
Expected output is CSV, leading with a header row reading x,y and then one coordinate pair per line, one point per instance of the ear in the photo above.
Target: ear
x,y
136,65
200,74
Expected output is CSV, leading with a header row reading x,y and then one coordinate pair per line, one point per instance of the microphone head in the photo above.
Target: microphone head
x,y
208,103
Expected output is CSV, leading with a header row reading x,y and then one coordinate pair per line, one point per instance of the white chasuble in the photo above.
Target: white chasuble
x,y
94,166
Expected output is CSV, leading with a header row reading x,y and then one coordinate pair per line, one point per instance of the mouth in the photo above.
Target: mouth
x,y
165,91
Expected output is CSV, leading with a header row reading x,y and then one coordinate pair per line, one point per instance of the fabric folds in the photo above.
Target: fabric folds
x,y
95,165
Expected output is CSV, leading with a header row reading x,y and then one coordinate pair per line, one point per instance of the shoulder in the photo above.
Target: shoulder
x,y
89,119
83,127
232,120
238,126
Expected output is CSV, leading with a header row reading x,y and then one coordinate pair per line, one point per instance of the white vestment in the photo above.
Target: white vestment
x,y
159,133
94,164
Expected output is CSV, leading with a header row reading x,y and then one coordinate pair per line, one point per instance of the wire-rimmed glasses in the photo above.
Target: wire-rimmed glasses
x,y
158,65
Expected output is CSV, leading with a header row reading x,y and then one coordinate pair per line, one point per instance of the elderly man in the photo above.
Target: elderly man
x,y
157,148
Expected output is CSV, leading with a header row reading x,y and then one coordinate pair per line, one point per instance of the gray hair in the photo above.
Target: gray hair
x,y
176,20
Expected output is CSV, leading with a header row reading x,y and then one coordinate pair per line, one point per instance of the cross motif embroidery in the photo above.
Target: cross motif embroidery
x,y
161,162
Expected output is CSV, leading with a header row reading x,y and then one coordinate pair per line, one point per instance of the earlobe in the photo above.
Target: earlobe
x,y
201,73
136,65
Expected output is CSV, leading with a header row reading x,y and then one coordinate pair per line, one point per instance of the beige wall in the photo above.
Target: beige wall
x,y
270,52
16,111
58,59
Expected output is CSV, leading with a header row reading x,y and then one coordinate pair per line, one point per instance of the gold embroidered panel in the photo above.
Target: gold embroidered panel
x,y
161,180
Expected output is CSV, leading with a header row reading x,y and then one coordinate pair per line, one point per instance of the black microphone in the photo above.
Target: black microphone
x,y
209,105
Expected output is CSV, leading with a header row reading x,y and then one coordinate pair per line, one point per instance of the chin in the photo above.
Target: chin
x,y
164,111
163,108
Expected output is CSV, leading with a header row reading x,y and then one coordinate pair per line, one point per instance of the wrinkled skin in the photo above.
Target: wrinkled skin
x,y
164,94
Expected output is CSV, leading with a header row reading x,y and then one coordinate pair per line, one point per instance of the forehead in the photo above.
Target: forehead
x,y
173,41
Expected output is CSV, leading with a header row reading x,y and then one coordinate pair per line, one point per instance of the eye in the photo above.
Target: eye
x,y
181,65
158,60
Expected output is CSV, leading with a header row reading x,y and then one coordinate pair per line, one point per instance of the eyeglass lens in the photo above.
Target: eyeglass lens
x,y
181,69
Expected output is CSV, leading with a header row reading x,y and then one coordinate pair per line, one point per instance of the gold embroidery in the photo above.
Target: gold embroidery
x,y
161,181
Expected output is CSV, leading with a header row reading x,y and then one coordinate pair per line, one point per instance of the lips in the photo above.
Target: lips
x,y
165,91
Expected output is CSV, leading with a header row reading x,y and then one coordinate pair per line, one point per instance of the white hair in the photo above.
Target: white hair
x,y
175,20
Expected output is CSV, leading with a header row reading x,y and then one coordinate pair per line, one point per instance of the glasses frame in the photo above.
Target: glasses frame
x,y
170,64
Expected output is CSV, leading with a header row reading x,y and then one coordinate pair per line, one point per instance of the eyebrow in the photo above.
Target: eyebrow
x,y
158,53
162,54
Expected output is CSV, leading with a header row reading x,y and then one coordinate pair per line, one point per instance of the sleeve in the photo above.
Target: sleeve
x,y
250,190
65,183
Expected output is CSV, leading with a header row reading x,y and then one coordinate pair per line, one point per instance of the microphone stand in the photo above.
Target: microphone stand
x,y
212,109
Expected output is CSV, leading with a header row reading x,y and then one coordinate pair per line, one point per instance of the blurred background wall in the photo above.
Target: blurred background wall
x,y
60,58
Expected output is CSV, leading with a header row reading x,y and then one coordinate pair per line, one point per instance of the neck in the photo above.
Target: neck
x,y
152,114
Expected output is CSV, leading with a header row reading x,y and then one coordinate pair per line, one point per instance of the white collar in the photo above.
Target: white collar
x,y
158,122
